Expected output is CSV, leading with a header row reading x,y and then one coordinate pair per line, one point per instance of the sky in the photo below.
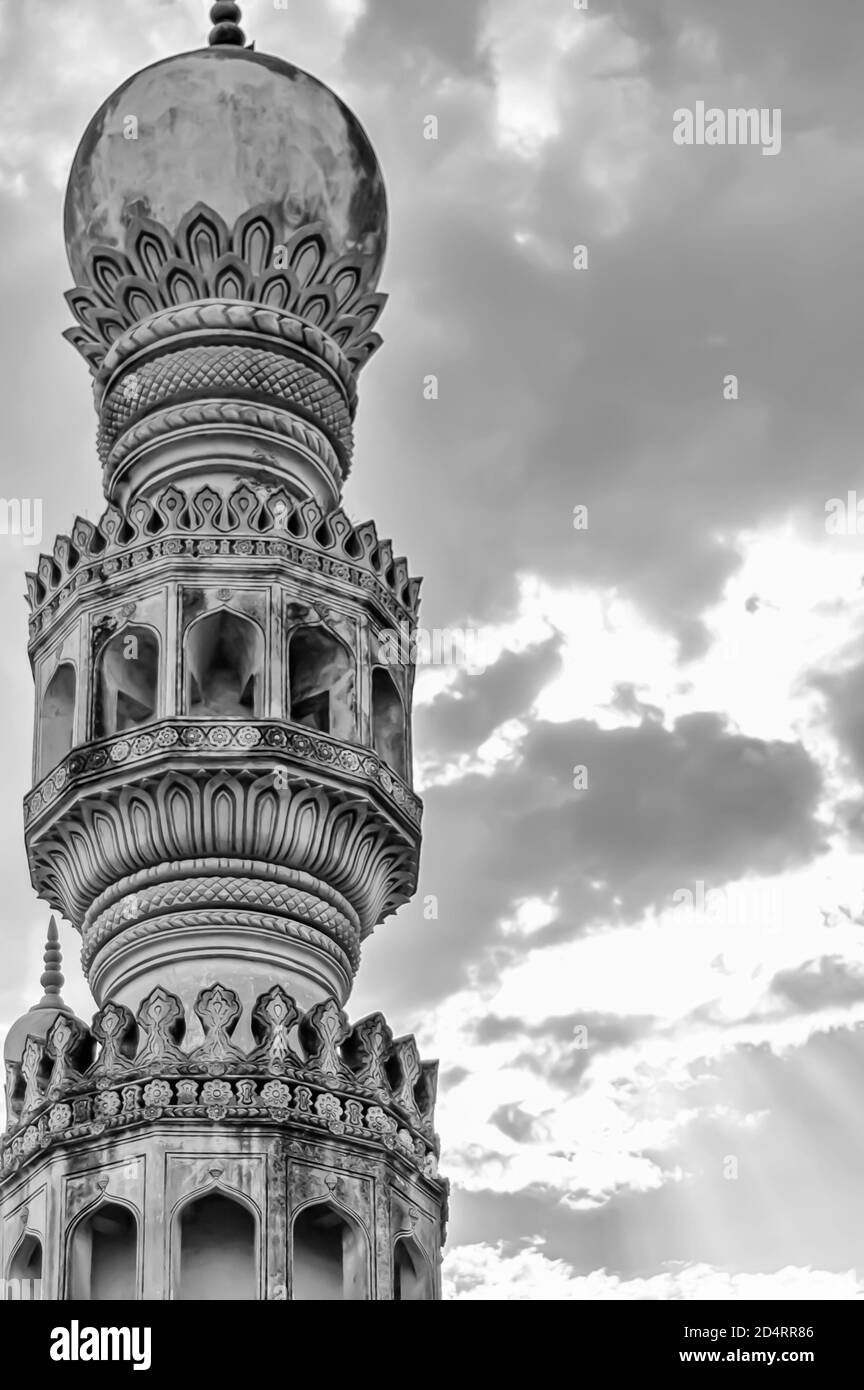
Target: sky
x,y
637,945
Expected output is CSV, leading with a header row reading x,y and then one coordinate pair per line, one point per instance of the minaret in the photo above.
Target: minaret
x,y
222,801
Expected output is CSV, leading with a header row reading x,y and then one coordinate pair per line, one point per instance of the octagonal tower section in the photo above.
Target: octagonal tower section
x,y
222,765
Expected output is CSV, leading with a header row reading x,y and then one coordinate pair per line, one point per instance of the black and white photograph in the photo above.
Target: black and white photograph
x,y
432,587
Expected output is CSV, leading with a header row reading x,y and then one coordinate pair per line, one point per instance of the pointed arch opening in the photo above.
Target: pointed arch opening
x,y
412,1273
388,722
218,1250
103,1256
224,666
321,677
57,717
330,1257
127,681
24,1276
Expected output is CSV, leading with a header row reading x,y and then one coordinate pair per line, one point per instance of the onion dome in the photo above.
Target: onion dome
x,y
226,222
37,1022
232,129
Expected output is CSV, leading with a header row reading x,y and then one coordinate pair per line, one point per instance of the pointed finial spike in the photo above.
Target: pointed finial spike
x,y
225,18
52,979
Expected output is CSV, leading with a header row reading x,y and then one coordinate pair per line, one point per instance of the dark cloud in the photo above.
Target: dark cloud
x,y
664,809
513,1121
605,1031
661,803
464,716
562,1049
798,1167
697,263
415,35
626,701
827,983
565,1061
844,695
819,45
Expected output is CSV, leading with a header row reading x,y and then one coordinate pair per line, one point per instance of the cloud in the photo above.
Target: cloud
x,y
821,984
447,38
604,1030
760,1134
473,707
844,695
561,1049
663,809
515,1124
487,1272
626,701
631,424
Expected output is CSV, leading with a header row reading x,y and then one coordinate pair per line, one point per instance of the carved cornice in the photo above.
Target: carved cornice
x,y
263,746
214,319
309,1071
207,261
272,525
305,1110
203,790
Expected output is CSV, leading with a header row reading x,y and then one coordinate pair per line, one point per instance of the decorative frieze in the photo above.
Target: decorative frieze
x,y
269,525
265,740
207,261
309,1069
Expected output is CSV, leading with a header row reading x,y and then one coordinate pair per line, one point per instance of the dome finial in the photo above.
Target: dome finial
x,y
225,18
52,979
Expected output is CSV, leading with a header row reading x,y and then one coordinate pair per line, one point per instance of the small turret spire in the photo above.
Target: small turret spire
x,y
225,18
52,979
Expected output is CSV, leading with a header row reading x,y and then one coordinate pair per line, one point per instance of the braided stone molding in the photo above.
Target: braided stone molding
x,y
280,423
204,260
264,738
247,523
249,899
213,317
254,871
225,892
231,370
187,801
348,960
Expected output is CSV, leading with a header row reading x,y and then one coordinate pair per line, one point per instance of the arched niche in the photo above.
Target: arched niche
x,y
321,675
218,1258
57,717
24,1275
224,654
329,1256
103,1255
127,681
388,722
412,1273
